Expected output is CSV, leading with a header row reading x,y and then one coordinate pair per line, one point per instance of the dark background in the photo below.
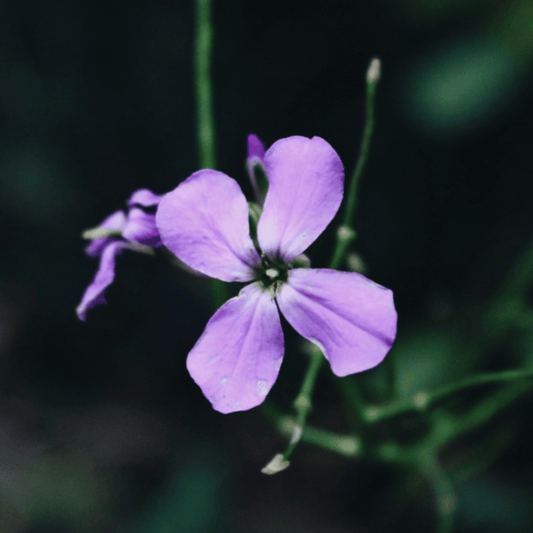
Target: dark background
x,y
101,427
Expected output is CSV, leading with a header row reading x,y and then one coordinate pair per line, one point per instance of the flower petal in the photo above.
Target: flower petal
x,y
94,294
237,359
351,319
116,220
306,180
140,227
204,222
145,198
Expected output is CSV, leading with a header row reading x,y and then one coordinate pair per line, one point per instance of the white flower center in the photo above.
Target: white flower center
x,y
272,273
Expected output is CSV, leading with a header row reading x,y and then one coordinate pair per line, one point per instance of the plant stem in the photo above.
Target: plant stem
x,y
488,408
445,498
204,96
423,401
372,80
204,108
345,445
302,404
346,232
352,398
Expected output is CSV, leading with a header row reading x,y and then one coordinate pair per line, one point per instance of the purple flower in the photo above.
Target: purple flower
x,y
135,230
204,221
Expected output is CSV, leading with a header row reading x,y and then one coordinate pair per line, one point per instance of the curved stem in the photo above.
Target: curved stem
x,y
346,233
302,404
423,401
372,79
487,409
445,498
352,398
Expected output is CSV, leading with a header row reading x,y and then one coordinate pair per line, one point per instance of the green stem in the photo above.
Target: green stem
x,y
345,445
352,398
423,401
519,278
302,404
487,409
345,236
445,498
372,80
204,108
509,307
346,232
482,379
204,97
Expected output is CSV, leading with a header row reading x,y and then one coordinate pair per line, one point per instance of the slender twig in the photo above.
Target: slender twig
x,y
352,398
302,404
296,426
372,79
345,445
204,96
486,410
445,498
204,107
346,232
424,401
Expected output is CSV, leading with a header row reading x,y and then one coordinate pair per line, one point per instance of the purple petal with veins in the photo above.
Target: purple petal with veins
x,y
237,359
306,179
204,222
351,319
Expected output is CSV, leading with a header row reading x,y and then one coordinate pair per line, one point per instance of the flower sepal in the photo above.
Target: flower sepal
x,y
302,261
259,180
254,214
100,232
255,165
277,464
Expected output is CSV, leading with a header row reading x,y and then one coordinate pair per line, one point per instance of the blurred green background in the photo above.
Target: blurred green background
x,y
101,427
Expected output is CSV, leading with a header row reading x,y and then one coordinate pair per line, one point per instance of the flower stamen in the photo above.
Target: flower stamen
x,y
272,273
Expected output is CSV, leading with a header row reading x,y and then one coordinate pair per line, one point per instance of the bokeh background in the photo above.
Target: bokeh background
x,y
101,427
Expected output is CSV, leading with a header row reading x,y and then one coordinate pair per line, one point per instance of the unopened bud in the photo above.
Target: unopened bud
x,y
374,71
345,233
355,263
296,434
420,399
301,261
349,446
278,464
